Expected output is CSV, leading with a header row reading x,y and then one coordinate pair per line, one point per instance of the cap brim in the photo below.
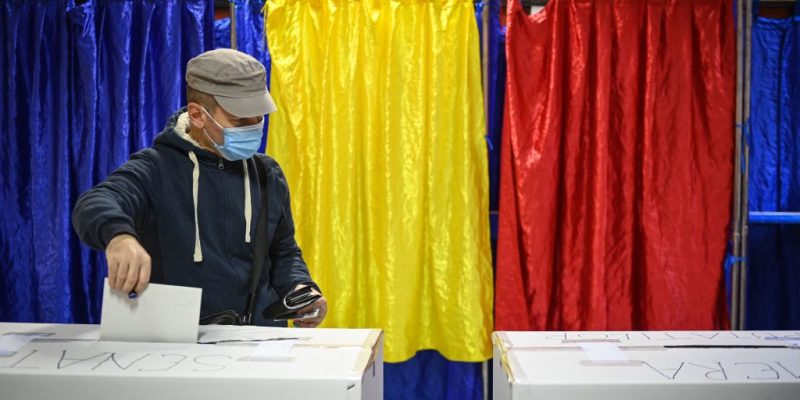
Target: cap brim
x,y
246,107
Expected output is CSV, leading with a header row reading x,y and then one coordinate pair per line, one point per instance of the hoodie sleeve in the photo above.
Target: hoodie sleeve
x,y
116,205
288,267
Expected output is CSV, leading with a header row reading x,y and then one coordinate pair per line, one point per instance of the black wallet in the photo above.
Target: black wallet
x,y
289,305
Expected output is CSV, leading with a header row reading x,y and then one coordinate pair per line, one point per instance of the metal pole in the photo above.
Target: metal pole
x,y
743,269
485,63
737,174
234,41
748,21
486,377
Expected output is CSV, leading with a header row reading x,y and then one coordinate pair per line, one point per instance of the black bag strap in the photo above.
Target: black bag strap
x,y
260,245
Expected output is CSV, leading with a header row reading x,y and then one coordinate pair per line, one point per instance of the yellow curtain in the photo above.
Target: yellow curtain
x,y
380,132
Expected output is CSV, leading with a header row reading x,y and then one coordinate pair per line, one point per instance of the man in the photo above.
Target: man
x,y
185,211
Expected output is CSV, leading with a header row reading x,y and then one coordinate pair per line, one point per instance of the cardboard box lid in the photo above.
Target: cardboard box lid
x,y
512,340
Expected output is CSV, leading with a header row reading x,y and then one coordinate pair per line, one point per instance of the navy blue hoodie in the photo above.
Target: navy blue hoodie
x,y
200,241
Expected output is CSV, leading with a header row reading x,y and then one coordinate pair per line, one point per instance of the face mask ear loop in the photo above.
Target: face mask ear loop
x,y
222,128
209,136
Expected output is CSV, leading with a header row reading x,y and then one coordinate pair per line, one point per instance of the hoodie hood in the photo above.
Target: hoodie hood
x,y
175,135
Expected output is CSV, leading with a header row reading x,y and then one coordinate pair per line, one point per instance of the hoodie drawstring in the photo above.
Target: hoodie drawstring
x,y
198,252
248,205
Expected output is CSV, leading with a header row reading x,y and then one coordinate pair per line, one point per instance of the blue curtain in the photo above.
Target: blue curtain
x,y
497,93
496,98
428,375
222,33
249,31
85,85
773,277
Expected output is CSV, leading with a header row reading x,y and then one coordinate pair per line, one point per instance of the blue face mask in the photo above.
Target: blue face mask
x,y
241,142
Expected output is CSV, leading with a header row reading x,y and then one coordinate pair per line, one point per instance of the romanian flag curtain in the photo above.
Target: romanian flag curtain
x,y
380,131
616,166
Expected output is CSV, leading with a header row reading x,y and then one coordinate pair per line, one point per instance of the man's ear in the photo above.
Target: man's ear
x,y
197,118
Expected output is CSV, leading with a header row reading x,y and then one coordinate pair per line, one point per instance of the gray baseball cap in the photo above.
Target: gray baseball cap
x,y
236,80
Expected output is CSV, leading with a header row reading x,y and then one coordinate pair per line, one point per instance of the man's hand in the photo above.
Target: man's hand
x,y
128,264
312,322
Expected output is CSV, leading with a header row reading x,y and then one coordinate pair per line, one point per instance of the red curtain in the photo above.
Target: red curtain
x,y
616,166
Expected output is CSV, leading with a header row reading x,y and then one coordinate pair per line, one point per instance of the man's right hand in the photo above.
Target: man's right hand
x,y
128,264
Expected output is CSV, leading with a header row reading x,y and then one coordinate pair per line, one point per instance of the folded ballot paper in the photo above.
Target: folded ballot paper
x,y
162,313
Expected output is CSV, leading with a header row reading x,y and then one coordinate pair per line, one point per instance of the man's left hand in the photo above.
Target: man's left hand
x,y
312,322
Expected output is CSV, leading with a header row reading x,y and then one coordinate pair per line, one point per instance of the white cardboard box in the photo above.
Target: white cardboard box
x,y
70,363
655,365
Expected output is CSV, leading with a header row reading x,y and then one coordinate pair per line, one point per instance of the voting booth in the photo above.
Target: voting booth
x,y
49,361
646,365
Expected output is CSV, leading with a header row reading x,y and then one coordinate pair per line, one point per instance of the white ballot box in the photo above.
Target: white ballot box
x,y
51,361
684,365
